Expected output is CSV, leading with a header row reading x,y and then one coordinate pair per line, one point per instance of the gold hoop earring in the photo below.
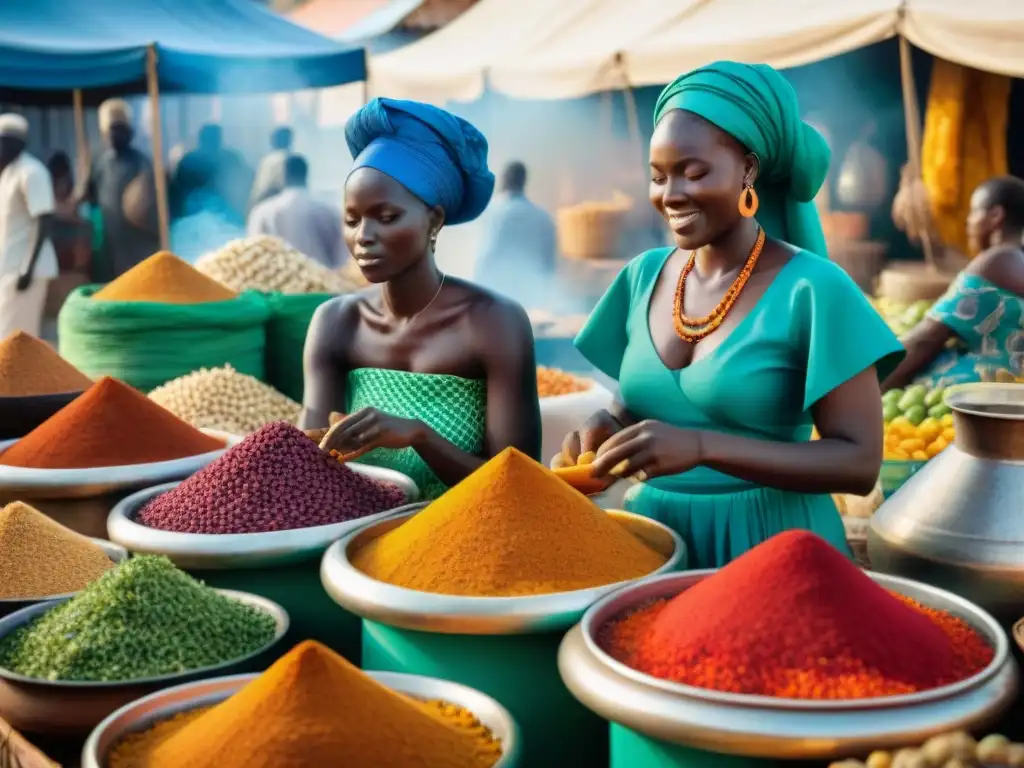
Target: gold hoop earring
x,y
748,202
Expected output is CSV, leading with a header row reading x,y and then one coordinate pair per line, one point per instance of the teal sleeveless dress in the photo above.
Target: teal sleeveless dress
x,y
812,330
989,324
454,407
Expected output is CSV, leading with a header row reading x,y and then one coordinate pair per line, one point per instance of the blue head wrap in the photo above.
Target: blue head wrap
x,y
440,158
758,107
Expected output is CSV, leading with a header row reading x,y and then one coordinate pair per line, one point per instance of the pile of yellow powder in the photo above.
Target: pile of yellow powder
x,y
512,528
39,557
165,279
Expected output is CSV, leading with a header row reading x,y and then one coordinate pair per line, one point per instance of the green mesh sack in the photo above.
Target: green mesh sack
x,y
146,344
290,314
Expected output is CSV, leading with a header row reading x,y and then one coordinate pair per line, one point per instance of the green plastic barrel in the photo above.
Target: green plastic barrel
x,y
630,749
518,671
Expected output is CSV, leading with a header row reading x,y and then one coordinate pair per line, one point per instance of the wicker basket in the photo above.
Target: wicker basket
x,y
592,230
911,281
862,260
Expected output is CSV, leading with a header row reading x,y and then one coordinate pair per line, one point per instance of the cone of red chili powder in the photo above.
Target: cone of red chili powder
x,y
794,618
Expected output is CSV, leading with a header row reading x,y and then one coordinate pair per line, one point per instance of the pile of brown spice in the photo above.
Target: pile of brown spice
x,y
39,557
29,366
163,278
109,425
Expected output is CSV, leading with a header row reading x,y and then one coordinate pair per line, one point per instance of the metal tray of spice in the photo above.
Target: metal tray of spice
x,y
241,550
85,483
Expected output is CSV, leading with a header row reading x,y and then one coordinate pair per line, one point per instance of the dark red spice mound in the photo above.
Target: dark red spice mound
x,y
277,479
794,618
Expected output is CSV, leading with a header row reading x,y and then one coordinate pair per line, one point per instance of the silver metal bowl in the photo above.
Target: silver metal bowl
x,y
115,552
230,551
461,615
767,727
70,708
146,712
84,483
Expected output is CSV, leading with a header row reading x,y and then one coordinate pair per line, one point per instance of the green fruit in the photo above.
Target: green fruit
x,y
913,396
890,411
892,396
940,410
935,397
915,414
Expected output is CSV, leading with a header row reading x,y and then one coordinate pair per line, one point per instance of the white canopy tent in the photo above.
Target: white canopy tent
x,y
538,49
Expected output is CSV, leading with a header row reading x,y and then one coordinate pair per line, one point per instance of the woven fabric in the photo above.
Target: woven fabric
x,y
454,407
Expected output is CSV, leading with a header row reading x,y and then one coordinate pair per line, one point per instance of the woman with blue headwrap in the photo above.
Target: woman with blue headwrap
x,y
436,374
731,346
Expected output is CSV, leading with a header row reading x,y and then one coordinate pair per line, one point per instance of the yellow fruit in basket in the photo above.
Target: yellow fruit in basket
x,y
892,441
946,420
919,456
929,429
948,434
912,444
899,455
936,447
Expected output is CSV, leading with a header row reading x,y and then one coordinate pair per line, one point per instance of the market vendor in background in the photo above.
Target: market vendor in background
x,y
437,375
121,185
731,346
983,308
302,221
270,172
27,259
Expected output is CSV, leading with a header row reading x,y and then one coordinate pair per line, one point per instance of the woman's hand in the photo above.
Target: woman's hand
x,y
369,428
648,449
588,438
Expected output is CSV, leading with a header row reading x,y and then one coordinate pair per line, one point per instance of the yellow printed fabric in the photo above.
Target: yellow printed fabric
x,y
964,142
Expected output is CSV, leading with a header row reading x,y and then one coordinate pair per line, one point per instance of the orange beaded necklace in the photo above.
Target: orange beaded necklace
x,y
693,329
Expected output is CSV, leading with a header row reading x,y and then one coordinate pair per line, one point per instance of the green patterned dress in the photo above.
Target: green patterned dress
x,y
454,407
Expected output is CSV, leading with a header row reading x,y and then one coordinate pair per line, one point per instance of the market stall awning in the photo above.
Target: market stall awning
x,y
984,34
543,50
216,46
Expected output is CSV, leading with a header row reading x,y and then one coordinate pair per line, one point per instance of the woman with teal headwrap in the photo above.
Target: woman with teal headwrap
x,y
436,375
730,347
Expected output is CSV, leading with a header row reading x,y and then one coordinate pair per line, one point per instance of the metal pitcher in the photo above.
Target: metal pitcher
x,y
958,524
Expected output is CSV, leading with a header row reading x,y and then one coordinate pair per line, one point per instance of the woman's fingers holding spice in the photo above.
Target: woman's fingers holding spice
x,y
648,449
342,435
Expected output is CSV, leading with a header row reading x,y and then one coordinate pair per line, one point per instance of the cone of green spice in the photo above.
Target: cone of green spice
x,y
144,618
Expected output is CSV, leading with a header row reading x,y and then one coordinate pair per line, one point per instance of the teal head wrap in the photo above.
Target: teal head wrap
x,y
758,107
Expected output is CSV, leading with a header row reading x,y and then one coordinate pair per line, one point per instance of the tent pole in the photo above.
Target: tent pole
x,y
912,116
81,136
159,174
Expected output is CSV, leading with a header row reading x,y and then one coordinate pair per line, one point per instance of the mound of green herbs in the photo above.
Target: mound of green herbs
x,y
144,618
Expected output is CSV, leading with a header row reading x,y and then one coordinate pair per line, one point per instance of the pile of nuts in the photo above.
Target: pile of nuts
x,y
948,750
552,382
226,400
265,263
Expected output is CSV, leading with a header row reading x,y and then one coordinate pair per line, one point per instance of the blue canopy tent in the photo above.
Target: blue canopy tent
x,y
50,49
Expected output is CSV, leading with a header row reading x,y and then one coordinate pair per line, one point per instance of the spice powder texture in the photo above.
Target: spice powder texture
x,y
110,424
794,618
163,278
29,366
510,528
143,618
312,709
276,479
39,557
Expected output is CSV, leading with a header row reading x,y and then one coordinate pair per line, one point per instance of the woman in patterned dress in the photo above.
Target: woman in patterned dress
x,y
436,374
975,332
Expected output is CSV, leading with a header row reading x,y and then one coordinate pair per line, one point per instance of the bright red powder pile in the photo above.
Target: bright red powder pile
x,y
276,479
795,618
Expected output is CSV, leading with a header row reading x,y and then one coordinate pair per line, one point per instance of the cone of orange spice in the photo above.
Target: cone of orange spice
x,y
794,618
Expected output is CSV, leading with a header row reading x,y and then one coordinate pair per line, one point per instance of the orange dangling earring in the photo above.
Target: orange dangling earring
x,y
748,202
